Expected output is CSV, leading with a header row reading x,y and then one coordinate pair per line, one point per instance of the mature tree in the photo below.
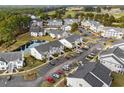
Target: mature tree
x,y
69,16
74,27
98,9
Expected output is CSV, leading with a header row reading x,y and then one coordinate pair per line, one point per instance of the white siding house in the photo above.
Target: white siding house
x,y
58,34
90,75
72,41
66,27
54,23
11,60
93,25
113,59
112,32
47,50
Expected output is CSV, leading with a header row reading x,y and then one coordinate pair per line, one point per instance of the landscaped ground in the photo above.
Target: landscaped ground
x,y
118,80
24,38
31,62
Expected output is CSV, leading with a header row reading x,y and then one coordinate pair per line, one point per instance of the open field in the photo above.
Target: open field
x,y
118,15
118,80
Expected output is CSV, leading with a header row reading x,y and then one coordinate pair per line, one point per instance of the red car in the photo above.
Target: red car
x,y
60,72
50,80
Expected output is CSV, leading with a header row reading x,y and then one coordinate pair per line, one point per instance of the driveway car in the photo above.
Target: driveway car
x,y
50,79
66,67
55,75
60,72
52,63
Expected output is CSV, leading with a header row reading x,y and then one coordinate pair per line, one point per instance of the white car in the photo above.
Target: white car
x,y
54,75
66,67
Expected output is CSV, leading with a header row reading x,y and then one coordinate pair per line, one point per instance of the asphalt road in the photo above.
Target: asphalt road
x,y
18,81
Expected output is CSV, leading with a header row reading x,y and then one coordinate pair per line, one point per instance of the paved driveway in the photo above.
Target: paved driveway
x,y
18,81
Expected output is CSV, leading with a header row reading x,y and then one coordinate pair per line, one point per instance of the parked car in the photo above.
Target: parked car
x,y
93,54
52,63
9,78
55,75
60,72
90,56
50,79
87,58
66,68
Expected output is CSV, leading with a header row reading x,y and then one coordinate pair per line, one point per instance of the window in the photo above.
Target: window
x,y
2,63
80,85
3,68
19,62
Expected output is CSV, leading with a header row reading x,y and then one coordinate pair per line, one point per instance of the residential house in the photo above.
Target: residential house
x,y
92,25
112,32
47,50
113,59
90,74
54,23
72,41
11,60
66,27
37,31
37,23
118,43
58,34
71,21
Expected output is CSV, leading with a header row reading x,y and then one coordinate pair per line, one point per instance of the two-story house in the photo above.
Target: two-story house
x,y
91,74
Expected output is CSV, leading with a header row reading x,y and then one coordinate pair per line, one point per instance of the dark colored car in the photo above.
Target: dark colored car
x,y
52,63
60,72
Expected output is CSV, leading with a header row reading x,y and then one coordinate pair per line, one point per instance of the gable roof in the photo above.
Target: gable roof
x,y
93,81
57,32
116,51
113,29
36,29
55,22
3,60
87,70
73,38
69,21
118,42
103,73
92,22
46,47
82,71
11,56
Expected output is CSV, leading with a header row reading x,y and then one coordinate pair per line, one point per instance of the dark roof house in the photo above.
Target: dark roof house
x,y
95,74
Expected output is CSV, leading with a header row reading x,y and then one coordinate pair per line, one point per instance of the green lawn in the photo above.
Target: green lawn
x,y
118,15
23,39
31,62
51,13
118,80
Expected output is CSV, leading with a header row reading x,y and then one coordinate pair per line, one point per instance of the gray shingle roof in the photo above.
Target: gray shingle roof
x,y
93,81
46,47
73,38
57,32
118,42
116,51
2,59
109,51
36,29
71,21
11,56
103,73
97,69
82,71
113,29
